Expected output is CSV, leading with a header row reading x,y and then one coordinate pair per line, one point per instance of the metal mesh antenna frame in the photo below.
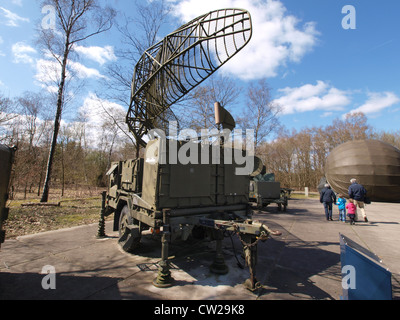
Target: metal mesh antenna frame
x,y
171,68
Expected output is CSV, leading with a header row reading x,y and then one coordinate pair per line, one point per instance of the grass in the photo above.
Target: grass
x,y
35,219
302,196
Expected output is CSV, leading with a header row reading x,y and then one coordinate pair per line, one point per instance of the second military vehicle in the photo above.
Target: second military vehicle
x,y
264,190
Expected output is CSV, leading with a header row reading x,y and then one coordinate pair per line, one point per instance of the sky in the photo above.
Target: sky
x,y
321,59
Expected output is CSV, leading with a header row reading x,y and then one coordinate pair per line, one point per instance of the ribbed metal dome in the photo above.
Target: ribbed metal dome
x,y
375,165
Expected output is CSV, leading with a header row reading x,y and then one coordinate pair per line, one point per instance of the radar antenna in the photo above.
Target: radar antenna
x,y
174,66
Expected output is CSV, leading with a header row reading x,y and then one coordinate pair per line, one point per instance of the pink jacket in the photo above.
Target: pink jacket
x,y
351,208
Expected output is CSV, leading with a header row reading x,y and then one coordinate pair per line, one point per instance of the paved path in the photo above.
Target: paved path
x,y
302,264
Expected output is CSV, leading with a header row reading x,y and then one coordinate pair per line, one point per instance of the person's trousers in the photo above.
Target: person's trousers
x,y
328,210
342,214
360,205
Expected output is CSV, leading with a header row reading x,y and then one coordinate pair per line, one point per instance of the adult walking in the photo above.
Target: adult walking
x,y
357,192
327,197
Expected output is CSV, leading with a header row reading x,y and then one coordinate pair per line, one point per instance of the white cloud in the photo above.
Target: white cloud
x,y
310,97
327,114
377,101
83,72
22,52
327,98
17,2
97,111
278,38
99,54
93,108
12,18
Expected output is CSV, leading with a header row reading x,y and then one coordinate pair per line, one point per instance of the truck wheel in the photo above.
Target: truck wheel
x,y
129,234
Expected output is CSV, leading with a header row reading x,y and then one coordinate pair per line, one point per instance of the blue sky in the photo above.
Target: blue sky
x,y
317,70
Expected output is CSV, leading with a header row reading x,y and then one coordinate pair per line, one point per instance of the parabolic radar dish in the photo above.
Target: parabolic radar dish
x,y
182,60
375,165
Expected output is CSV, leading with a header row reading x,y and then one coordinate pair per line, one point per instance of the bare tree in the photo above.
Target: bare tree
x,y
392,137
197,111
116,117
8,112
279,157
76,21
138,33
298,158
33,108
354,127
261,113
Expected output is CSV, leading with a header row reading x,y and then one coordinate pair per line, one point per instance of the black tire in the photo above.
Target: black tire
x,y
285,204
129,239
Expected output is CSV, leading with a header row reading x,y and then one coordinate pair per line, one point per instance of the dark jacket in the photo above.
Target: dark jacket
x,y
327,195
357,192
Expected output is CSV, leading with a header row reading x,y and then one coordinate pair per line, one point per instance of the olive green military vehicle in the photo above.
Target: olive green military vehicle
x,y
164,193
6,160
179,201
264,190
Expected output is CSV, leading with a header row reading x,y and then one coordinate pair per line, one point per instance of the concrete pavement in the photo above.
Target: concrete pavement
x,y
302,264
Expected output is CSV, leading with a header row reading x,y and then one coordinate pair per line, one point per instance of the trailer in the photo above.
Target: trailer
x,y
264,190
263,193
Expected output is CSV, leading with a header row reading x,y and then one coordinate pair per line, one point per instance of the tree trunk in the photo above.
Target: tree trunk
x,y
57,122
46,186
62,170
40,179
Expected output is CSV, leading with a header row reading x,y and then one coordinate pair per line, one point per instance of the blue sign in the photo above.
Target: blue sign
x,y
363,275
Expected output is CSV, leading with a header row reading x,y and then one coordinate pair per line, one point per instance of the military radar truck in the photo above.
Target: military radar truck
x,y
178,201
6,159
161,192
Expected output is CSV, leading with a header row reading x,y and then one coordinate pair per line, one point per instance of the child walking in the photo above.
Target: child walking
x,y
341,202
351,210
